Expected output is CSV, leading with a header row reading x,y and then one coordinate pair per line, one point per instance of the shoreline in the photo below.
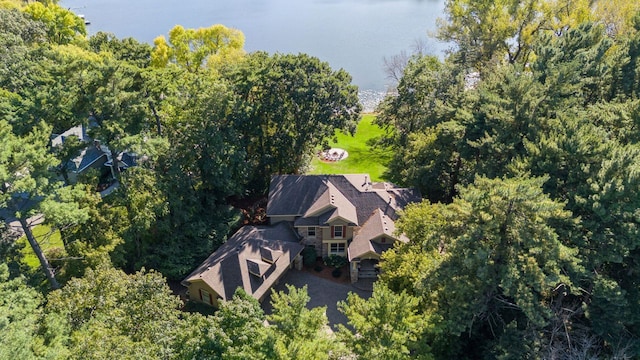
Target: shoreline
x,y
370,99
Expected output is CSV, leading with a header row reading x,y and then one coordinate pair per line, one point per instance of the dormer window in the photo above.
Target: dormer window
x,y
338,231
311,231
257,267
269,255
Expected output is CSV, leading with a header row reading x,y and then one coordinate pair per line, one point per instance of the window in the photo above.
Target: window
x,y
311,231
383,240
337,248
205,297
338,232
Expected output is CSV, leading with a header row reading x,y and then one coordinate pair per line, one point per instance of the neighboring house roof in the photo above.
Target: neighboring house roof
x,y
79,131
87,157
253,258
128,159
125,160
319,199
93,152
377,226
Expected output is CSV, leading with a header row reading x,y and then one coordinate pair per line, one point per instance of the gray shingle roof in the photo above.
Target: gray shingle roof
x,y
232,265
306,221
79,131
354,197
377,225
321,203
87,157
293,194
128,159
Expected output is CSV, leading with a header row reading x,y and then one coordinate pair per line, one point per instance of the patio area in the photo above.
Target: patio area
x,y
333,154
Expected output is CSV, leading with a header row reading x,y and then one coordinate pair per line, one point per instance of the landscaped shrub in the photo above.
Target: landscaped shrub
x,y
197,307
309,256
336,273
335,261
318,268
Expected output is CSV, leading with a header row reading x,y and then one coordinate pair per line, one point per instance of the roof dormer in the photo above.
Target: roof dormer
x,y
257,267
269,255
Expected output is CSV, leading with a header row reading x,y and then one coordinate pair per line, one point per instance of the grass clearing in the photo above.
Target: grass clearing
x,y
47,240
362,157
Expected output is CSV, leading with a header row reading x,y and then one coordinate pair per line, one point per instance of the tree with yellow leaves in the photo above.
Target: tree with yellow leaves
x,y
489,32
193,49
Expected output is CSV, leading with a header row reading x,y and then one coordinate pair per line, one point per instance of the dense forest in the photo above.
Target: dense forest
x,y
523,140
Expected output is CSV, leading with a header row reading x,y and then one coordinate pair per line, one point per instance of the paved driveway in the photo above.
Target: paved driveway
x,y
322,292
13,225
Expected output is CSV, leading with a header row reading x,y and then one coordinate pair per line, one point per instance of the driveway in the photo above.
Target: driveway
x,y
13,225
321,291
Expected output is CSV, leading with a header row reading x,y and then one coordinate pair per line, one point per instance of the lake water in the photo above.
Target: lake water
x,y
355,35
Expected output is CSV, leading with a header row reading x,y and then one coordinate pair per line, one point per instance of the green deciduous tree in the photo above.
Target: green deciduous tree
x,y
420,100
432,161
427,128
301,332
386,326
18,29
488,32
617,16
93,243
286,106
204,166
239,330
128,49
22,67
145,203
24,333
63,26
111,314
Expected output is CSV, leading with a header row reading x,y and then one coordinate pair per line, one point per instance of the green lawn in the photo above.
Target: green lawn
x,y
362,157
45,239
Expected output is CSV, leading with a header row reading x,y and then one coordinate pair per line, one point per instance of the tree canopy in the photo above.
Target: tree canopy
x,y
192,49
523,140
525,115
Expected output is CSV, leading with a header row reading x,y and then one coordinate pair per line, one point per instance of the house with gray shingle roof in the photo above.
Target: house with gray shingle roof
x,y
93,156
345,215
254,259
